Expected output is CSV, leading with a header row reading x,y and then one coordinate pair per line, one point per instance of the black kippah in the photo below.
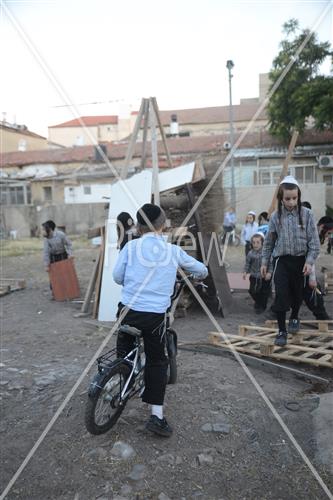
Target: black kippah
x,y
151,212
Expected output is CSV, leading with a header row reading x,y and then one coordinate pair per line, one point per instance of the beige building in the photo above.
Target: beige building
x,y
89,130
19,138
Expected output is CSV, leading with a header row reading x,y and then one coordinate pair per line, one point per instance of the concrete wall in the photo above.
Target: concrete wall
x,y
70,136
76,194
38,192
77,218
259,198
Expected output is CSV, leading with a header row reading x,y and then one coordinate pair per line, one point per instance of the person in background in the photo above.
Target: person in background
x,y
292,240
249,229
263,221
325,228
146,268
312,293
229,221
259,287
126,230
57,245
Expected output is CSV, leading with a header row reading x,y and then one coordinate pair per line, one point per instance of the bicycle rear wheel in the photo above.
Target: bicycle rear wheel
x,y
104,405
236,241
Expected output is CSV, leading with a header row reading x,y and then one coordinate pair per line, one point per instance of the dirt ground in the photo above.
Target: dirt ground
x,y
226,444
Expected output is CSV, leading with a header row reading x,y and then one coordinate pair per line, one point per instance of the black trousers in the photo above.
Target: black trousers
x,y
56,257
152,326
259,291
314,301
289,283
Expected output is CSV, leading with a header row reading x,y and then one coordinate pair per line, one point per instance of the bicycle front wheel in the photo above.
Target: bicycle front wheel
x,y
104,405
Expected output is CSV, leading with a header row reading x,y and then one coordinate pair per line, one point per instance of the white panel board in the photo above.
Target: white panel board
x,y
176,177
126,196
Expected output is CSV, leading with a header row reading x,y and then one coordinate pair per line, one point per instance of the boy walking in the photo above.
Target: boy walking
x,y
259,287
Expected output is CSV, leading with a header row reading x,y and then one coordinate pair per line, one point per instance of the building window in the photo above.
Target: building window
x,y
265,177
86,189
328,179
47,190
12,195
304,174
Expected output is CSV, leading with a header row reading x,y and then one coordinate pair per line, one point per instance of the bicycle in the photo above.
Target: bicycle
x,y
121,378
233,238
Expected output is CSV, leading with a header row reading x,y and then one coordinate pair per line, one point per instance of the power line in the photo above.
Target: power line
x,y
88,103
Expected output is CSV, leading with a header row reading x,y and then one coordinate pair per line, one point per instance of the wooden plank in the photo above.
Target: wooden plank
x,y
99,276
63,280
324,322
91,285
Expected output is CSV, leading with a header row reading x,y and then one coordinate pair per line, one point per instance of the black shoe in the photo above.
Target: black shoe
x,y
159,426
281,339
293,326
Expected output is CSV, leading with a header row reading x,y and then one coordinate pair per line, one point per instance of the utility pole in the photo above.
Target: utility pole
x,y
230,65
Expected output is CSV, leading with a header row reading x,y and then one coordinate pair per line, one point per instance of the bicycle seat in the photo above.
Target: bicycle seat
x,y
130,330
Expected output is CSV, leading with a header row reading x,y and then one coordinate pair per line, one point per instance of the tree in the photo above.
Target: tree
x,y
303,94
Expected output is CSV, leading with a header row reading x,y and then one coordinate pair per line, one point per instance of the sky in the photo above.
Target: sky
x,y
115,52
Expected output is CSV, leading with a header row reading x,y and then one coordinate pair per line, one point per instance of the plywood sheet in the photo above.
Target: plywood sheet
x,y
175,177
64,280
126,196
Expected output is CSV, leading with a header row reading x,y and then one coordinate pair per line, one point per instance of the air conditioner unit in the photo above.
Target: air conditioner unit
x,y
325,161
226,145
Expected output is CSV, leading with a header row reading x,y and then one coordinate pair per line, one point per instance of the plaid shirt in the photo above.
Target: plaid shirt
x,y
287,237
253,263
57,244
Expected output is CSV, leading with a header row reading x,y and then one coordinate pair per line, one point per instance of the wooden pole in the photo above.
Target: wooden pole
x,y
284,170
160,126
145,133
132,142
154,155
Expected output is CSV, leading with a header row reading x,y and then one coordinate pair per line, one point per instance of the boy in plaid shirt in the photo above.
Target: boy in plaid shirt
x,y
293,242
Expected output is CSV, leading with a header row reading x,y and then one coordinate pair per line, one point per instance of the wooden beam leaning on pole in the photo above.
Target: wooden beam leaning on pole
x,y
160,125
284,170
154,156
131,146
145,132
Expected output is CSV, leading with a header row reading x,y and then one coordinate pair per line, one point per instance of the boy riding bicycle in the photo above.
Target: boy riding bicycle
x,y
147,268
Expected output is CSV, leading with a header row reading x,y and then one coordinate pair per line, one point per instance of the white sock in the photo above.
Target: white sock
x,y
157,410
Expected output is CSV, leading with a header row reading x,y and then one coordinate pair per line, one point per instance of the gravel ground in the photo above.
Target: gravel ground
x,y
226,444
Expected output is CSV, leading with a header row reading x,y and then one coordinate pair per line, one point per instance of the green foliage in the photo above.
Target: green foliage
x,y
302,93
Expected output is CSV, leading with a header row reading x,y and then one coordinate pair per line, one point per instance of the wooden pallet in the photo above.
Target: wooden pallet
x,y
312,347
9,285
322,324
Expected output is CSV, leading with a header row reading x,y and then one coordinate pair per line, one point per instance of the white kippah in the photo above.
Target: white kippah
x,y
259,233
251,213
289,179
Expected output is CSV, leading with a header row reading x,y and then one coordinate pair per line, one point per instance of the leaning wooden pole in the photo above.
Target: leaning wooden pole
x,y
160,126
284,170
131,146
